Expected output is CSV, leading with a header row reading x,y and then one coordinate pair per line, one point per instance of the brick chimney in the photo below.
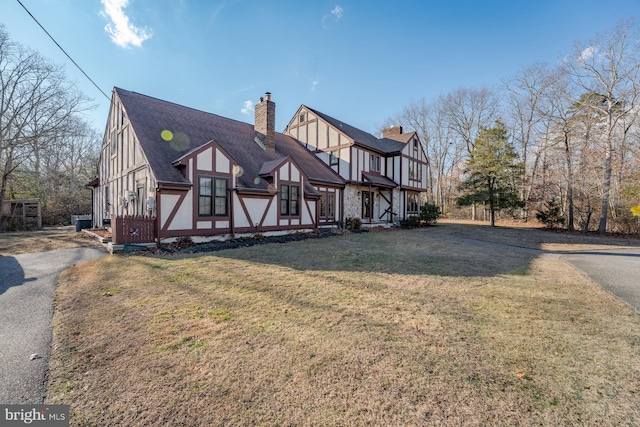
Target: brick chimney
x,y
265,122
393,130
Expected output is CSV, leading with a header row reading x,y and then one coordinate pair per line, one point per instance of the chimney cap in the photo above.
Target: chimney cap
x,y
268,95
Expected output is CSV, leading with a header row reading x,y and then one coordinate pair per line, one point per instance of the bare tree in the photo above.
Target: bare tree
x,y
608,66
35,103
525,97
468,111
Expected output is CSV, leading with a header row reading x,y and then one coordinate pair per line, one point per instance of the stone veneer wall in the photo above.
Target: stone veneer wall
x,y
353,203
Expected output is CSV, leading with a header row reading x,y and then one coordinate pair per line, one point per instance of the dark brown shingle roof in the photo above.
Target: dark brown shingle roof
x,y
382,145
192,128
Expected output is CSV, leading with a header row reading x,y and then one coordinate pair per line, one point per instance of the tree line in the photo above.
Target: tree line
x,y
574,129
47,149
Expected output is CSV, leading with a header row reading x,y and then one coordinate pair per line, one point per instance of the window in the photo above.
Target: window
x,y
374,163
415,171
114,143
333,158
331,205
412,204
302,117
140,200
323,206
328,205
212,196
289,200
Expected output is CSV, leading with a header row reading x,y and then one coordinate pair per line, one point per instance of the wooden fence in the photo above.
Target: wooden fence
x,y
130,229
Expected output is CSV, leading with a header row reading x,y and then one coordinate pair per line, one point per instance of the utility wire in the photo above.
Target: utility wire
x,y
64,51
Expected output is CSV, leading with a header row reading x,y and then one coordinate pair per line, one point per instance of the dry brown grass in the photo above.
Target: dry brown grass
x,y
531,235
397,328
42,240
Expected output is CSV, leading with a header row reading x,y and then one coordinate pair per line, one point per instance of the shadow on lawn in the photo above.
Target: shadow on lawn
x,y
408,252
446,250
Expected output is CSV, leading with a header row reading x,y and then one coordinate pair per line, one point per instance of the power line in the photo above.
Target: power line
x,y
64,51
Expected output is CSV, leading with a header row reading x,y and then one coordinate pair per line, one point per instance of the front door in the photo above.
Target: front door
x,y
366,204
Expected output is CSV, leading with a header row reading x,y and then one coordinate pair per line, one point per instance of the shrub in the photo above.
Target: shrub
x,y
353,223
551,214
411,222
429,213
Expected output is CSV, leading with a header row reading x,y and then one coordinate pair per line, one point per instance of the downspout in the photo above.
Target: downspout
x,y
158,208
341,216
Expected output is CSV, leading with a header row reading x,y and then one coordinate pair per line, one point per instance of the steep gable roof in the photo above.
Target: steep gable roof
x,y
191,128
360,137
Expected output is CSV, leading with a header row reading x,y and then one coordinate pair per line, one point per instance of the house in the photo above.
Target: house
x,y
384,177
210,177
200,174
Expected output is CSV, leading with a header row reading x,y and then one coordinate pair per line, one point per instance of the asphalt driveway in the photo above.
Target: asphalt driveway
x,y
27,285
615,270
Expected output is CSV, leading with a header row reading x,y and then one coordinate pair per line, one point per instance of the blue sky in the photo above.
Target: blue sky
x,y
359,61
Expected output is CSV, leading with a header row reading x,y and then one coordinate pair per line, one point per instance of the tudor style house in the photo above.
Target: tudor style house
x,y
384,176
206,176
203,175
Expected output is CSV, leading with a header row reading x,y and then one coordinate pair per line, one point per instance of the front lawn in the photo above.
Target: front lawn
x,y
393,328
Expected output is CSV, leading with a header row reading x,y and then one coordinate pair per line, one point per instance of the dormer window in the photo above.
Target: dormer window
x,y
333,158
374,163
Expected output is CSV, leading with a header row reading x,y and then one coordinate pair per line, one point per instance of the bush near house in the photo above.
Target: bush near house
x,y
429,214
353,223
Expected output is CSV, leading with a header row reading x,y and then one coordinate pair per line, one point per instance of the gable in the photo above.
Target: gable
x,y
169,131
359,137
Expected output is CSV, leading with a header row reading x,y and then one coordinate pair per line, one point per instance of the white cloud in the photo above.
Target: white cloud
x,y
122,31
313,85
248,108
587,53
337,15
337,12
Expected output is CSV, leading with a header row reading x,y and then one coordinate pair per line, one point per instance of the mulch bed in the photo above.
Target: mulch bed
x,y
187,246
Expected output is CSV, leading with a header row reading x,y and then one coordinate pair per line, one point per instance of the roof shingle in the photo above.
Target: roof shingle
x,y
191,128
382,145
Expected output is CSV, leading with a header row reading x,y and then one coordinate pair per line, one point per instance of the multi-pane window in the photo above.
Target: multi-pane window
x,y
289,199
374,163
323,206
328,205
331,205
415,170
212,196
412,204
